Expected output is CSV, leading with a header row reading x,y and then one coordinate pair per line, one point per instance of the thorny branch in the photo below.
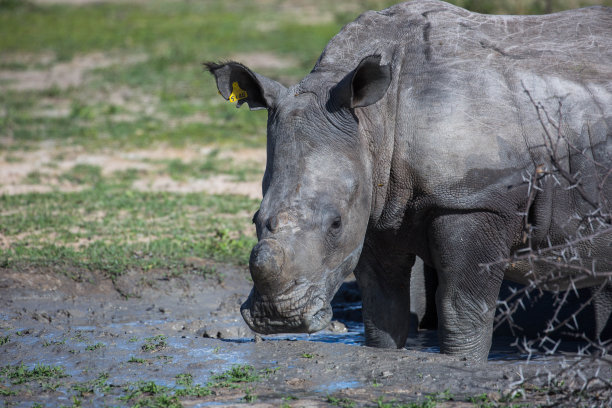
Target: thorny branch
x,y
586,372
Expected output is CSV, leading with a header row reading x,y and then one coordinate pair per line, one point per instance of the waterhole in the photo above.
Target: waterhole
x,y
347,311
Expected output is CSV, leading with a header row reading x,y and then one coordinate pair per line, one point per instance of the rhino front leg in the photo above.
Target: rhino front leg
x,y
467,291
385,293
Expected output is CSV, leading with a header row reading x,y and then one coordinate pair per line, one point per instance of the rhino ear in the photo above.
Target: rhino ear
x,y
237,83
369,82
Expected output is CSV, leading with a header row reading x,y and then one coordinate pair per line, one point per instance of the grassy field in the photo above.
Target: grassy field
x,y
116,151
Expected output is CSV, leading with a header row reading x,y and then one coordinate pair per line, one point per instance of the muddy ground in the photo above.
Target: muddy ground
x,y
155,327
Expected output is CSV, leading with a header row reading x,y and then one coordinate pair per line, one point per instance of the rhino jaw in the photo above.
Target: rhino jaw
x,y
262,317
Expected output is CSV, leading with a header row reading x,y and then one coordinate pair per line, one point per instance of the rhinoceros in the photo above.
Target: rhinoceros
x,y
428,130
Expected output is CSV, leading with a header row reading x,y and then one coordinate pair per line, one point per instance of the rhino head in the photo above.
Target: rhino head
x,y
317,190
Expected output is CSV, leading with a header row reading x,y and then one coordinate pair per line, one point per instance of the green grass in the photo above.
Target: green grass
x,y
47,343
238,374
340,402
94,347
172,32
168,81
20,374
155,343
111,228
430,401
83,174
137,360
87,388
151,394
189,389
79,337
210,165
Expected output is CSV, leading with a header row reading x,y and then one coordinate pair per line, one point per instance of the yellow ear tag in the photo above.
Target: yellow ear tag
x,y
237,93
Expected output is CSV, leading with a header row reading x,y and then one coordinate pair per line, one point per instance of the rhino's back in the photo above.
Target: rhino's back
x,y
576,44
460,78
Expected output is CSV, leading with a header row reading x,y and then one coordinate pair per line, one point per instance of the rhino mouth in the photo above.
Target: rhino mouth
x,y
308,314
301,308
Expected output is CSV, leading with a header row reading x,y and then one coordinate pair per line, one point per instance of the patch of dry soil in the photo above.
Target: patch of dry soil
x,y
50,162
63,75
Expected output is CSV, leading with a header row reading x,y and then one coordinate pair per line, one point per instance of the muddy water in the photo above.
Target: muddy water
x,y
152,328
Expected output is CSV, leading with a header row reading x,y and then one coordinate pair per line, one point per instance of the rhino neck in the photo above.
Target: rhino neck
x,y
380,129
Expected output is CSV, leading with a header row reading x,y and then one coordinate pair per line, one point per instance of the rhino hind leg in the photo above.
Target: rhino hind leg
x,y
467,291
423,285
385,299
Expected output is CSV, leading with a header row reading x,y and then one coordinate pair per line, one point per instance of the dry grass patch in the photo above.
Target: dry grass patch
x,y
63,75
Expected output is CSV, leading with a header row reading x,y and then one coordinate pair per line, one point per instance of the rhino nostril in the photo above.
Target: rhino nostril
x,y
272,223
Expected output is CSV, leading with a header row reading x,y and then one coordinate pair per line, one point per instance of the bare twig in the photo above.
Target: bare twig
x,y
561,268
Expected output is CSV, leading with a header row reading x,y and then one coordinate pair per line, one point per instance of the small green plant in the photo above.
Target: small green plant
x,y
340,402
285,403
269,370
137,360
429,402
307,355
380,403
95,346
236,375
155,343
482,401
48,343
21,373
49,386
5,392
149,394
4,340
445,395
189,389
184,380
249,396
76,402
87,388
78,336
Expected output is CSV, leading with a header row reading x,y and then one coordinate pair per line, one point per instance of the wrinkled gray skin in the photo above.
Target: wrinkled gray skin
x,y
413,136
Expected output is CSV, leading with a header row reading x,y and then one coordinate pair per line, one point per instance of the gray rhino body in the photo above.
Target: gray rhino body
x,y
413,136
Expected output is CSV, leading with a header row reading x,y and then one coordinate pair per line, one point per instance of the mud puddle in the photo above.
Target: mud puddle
x,y
150,338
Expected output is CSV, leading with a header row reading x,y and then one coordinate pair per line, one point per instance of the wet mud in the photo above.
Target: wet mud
x,y
155,328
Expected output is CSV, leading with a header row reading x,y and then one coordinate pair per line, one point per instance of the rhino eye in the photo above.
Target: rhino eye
x,y
336,223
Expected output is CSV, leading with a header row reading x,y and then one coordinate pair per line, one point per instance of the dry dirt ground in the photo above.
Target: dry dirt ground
x,y
16,166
